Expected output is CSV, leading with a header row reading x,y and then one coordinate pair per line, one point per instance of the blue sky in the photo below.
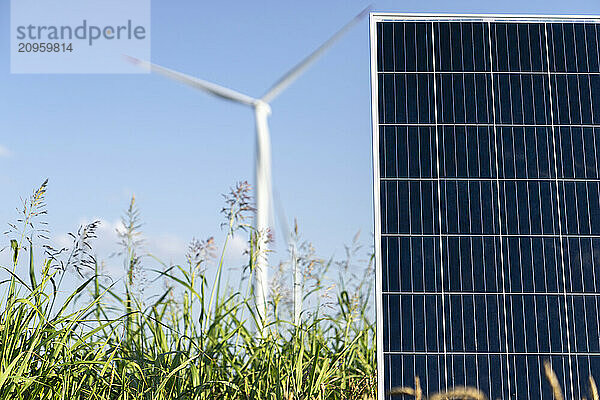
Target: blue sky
x,y
101,138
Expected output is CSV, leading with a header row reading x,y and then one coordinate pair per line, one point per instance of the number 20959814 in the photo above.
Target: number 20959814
x,y
45,47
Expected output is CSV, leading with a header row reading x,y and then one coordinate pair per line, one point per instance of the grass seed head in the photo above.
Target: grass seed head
x,y
553,380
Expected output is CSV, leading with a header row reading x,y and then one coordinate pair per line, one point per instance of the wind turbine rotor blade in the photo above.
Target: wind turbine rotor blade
x,y
219,91
295,72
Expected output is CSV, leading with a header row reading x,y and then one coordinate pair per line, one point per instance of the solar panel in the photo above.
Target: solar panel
x,y
486,140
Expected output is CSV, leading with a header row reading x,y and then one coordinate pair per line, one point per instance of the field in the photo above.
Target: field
x,y
196,340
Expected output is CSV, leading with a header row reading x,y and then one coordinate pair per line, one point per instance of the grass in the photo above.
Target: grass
x,y
195,340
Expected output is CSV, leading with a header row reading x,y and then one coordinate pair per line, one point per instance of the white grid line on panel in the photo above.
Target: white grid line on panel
x,y
581,266
520,73
499,205
470,222
506,235
422,241
476,332
491,179
483,353
528,217
499,125
448,266
568,243
596,169
460,216
560,229
575,338
476,293
437,147
544,255
488,18
486,333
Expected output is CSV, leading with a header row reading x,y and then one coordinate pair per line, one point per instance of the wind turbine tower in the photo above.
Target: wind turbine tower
x,y
262,110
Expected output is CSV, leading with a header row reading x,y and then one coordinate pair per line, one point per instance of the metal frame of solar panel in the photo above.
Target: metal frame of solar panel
x,y
486,144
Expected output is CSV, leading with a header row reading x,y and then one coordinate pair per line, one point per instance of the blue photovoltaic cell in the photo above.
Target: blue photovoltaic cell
x,y
488,152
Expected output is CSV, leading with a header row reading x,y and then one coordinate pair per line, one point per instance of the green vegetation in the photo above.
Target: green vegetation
x,y
196,340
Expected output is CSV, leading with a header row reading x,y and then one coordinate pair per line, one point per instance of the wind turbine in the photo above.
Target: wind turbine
x,y
262,110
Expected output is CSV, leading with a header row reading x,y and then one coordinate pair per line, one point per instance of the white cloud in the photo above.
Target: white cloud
x,y
236,249
103,246
106,233
4,152
166,245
